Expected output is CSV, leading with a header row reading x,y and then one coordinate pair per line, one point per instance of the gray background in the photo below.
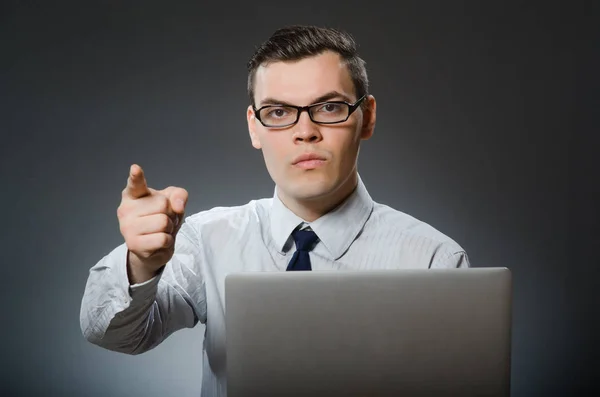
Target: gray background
x,y
484,130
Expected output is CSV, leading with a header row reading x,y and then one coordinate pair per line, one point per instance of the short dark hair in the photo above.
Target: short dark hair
x,y
297,42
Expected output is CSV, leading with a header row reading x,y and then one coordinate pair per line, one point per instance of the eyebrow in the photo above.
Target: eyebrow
x,y
323,98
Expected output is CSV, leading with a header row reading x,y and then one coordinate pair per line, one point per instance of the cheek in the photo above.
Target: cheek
x,y
273,149
346,143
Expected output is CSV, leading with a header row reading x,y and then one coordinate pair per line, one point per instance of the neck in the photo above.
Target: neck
x,y
312,209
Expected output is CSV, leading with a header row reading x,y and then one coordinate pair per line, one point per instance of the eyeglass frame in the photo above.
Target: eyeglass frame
x,y
351,109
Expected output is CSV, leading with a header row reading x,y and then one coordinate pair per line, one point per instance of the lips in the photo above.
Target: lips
x,y
308,157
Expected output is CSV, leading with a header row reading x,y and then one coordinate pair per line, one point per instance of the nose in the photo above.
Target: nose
x,y
306,131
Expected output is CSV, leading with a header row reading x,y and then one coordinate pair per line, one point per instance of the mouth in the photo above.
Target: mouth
x,y
309,161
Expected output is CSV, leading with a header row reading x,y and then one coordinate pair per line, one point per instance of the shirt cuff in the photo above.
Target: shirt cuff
x,y
140,292
147,289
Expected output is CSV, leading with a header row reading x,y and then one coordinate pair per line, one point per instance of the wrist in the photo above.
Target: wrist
x,y
137,271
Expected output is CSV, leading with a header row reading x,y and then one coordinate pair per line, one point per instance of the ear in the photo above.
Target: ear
x,y
369,118
252,127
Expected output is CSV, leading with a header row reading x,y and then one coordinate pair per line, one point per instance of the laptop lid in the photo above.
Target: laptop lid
x,y
427,332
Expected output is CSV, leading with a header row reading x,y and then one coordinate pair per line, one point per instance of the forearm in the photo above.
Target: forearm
x,y
131,319
136,329
135,318
113,315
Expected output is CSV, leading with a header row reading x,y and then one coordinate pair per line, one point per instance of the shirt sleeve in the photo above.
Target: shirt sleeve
x,y
133,319
450,256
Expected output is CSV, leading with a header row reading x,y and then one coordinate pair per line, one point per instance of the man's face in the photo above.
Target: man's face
x,y
303,83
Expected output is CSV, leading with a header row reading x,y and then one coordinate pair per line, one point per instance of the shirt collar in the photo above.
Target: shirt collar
x,y
336,230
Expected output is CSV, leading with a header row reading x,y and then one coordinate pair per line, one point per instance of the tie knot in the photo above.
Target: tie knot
x,y
305,239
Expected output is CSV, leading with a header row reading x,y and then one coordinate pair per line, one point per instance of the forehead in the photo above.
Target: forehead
x,y
300,82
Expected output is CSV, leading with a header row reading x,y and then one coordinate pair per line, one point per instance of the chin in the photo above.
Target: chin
x,y
310,188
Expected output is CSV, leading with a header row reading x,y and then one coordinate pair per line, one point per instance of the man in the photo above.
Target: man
x,y
309,111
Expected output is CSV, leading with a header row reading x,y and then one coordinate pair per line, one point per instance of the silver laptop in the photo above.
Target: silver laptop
x,y
434,332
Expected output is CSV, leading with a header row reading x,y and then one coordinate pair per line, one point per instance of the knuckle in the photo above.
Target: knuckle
x,y
132,245
121,211
125,208
165,240
162,240
125,227
141,246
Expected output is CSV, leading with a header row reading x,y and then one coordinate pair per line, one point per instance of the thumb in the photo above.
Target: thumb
x,y
178,198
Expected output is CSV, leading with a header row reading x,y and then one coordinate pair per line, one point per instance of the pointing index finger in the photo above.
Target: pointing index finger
x,y
136,183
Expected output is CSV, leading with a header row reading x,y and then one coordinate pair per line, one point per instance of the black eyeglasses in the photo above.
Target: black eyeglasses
x,y
331,112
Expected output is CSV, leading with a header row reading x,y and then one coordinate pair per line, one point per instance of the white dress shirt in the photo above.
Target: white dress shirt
x,y
358,234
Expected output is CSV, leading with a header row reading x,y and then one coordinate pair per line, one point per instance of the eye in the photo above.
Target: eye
x,y
277,113
330,108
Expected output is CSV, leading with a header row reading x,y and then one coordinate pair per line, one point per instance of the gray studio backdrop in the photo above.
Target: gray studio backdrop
x,y
473,136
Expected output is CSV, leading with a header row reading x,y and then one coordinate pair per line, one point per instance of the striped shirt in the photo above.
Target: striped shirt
x,y
358,234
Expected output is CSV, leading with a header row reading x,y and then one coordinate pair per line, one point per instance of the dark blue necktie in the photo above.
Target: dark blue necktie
x,y
305,241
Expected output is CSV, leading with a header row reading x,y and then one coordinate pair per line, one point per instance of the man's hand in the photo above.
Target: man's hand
x,y
149,221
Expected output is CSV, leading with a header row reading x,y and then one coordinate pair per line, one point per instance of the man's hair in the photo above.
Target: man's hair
x,y
296,42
